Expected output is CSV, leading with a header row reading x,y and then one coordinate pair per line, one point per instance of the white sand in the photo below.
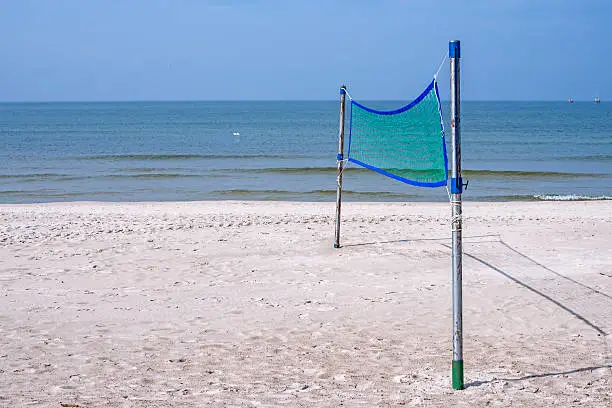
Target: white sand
x,y
230,304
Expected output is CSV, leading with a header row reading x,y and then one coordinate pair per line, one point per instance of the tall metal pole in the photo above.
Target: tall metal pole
x,y
456,190
340,159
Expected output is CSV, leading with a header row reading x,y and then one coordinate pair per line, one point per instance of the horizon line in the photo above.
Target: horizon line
x,y
275,100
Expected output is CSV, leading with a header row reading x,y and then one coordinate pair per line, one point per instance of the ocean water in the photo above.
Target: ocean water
x,y
182,151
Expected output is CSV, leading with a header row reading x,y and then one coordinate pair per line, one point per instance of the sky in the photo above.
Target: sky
x,y
116,50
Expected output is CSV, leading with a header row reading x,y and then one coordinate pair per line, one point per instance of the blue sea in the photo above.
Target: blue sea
x,y
183,151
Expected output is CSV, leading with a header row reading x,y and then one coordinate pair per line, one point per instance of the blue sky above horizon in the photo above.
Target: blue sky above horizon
x,y
71,50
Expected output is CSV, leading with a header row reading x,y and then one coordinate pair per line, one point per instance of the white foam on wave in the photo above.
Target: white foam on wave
x,y
570,197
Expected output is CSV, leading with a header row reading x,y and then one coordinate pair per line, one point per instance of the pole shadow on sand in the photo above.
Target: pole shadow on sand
x,y
532,376
551,271
578,316
498,239
506,274
423,239
534,290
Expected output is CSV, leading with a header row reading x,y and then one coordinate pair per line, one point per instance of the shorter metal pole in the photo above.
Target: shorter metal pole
x,y
340,159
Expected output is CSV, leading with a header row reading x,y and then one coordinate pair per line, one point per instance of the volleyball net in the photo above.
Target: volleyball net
x,y
406,144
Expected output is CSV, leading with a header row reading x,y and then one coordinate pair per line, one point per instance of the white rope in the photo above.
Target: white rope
x,y
457,218
348,94
344,167
440,67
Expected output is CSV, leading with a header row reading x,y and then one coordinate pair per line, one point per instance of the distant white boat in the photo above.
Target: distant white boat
x,y
236,133
597,100
570,100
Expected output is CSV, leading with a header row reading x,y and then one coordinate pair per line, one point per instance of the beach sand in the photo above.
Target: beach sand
x,y
247,304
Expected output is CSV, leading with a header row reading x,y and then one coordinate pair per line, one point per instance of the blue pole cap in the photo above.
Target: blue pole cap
x,y
342,90
454,49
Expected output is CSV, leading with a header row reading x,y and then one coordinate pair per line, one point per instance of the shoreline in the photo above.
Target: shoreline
x,y
298,202
328,196
245,303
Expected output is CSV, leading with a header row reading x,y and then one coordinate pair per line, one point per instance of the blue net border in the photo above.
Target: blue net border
x,y
402,179
403,108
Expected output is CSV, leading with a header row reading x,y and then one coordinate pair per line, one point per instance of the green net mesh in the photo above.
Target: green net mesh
x,y
406,144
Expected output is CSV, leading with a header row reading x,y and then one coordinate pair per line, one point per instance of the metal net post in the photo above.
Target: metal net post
x,y
456,190
340,159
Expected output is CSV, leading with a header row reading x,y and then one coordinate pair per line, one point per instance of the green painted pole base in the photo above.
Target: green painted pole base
x,y
336,245
457,374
